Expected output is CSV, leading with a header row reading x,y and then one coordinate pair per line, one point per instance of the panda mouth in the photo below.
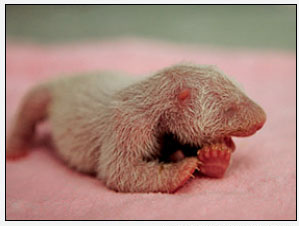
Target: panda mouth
x,y
172,150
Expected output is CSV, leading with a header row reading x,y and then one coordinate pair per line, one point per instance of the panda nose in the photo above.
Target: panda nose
x,y
259,126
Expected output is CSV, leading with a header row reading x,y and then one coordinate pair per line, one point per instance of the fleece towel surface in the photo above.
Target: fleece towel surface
x,y
260,183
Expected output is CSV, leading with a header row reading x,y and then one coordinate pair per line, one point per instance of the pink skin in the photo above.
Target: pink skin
x,y
197,104
186,174
214,163
214,160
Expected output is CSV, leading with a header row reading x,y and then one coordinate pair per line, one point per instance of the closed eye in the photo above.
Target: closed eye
x,y
231,111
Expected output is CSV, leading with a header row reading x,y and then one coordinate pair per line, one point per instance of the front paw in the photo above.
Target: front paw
x,y
214,160
185,169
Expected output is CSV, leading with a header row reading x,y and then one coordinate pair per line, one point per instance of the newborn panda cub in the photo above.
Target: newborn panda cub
x,y
145,134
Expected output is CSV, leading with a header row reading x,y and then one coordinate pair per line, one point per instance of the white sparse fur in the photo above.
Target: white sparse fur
x,y
107,124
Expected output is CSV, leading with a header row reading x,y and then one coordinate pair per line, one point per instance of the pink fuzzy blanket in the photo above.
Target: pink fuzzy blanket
x,y
260,183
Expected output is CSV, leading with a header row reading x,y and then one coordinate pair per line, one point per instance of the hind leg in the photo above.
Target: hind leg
x,y
32,110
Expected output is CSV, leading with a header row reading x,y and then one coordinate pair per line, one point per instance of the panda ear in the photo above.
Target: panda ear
x,y
184,94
